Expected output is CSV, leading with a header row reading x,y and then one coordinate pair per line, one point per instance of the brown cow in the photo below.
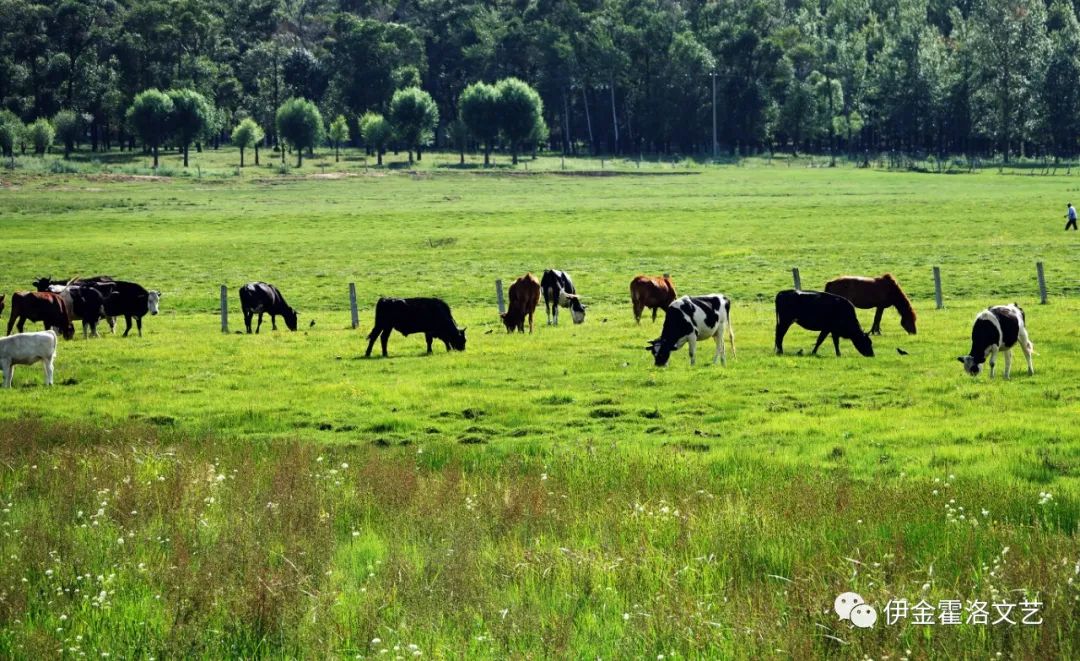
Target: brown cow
x,y
524,297
649,292
45,307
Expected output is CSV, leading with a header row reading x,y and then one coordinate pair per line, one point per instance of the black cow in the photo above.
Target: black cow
x,y
430,316
103,284
84,303
261,298
128,300
819,311
46,307
558,290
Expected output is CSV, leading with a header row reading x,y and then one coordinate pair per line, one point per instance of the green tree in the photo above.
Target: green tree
x,y
301,124
69,129
458,133
414,116
480,112
41,135
520,112
1060,91
191,116
376,132
149,117
11,132
339,133
247,134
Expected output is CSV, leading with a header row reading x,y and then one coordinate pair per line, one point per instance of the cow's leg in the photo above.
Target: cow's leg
x,y
371,342
384,339
638,309
1008,362
273,321
547,309
259,325
993,360
11,322
531,321
782,326
127,330
112,324
447,345
9,369
876,328
429,338
654,314
692,344
820,338
248,315
48,365
138,322
22,323
720,349
836,343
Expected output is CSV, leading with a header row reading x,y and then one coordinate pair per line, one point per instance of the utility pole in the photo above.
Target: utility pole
x,y
715,144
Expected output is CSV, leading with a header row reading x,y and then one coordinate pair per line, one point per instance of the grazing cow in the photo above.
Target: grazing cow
x,y
430,316
27,349
45,307
559,292
84,303
880,293
820,311
259,298
524,297
649,292
997,329
130,300
693,318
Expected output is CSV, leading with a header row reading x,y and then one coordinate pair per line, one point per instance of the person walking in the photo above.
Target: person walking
x,y
1071,216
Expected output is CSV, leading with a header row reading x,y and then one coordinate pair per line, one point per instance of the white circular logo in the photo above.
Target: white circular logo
x,y
845,602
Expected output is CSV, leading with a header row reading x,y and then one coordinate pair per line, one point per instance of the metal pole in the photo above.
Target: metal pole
x,y
499,296
937,287
352,306
715,144
1042,282
224,309
796,279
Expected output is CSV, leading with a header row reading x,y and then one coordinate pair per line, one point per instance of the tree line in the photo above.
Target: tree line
x,y
986,77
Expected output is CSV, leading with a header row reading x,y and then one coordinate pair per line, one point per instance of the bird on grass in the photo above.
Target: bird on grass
x,y
901,351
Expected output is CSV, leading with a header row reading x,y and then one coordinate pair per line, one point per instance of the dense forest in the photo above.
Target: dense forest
x,y
989,77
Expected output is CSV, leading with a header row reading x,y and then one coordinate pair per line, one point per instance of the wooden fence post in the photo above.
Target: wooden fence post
x,y
499,296
224,309
937,288
1042,282
796,279
352,306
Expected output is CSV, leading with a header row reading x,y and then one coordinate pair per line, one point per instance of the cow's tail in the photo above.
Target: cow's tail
x,y
730,328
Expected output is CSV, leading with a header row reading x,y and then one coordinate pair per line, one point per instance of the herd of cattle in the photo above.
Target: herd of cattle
x,y
687,320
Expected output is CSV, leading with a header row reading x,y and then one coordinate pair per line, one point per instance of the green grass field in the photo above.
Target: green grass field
x,y
554,494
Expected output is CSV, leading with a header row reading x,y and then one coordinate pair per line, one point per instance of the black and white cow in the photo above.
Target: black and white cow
x,y
130,300
820,311
261,298
693,318
558,290
430,316
998,328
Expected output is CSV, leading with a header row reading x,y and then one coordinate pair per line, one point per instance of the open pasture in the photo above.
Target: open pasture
x,y
553,491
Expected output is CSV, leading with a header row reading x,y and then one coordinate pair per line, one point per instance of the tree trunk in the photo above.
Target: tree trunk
x,y
461,156
185,154
418,154
299,157
241,157
256,153
155,156
337,154
487,154
380,153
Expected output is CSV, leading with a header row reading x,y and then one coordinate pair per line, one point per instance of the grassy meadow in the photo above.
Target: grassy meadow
x,y
193,493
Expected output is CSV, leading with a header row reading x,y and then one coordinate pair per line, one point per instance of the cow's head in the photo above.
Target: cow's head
x,y
42,284
971,365
511,320
68,330
457,340
577,309
660,350
290,318
152,299
864,345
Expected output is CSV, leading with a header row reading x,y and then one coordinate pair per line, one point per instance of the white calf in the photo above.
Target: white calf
x,y
27,349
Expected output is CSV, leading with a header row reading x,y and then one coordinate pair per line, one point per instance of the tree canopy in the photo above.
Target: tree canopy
x,y
980,77
301,124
